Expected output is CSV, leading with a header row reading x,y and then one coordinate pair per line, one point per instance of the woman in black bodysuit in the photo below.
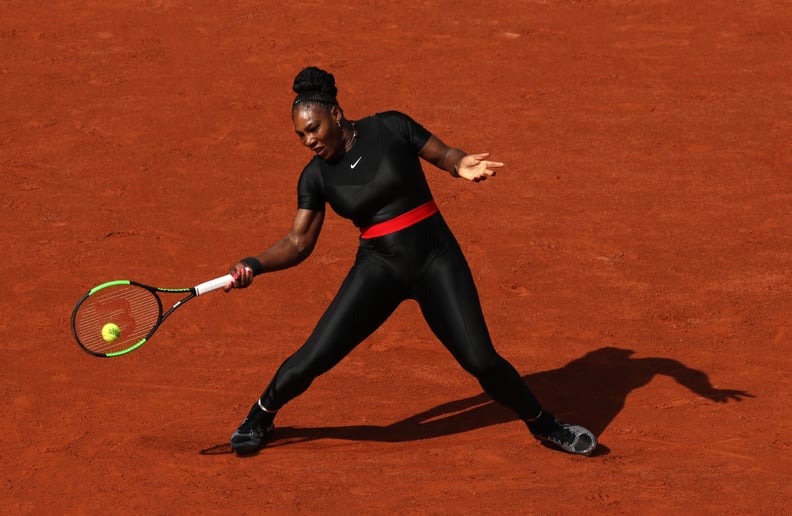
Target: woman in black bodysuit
x,y
369,171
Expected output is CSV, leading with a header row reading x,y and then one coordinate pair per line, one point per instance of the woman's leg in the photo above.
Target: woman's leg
x,y
367,297
450,303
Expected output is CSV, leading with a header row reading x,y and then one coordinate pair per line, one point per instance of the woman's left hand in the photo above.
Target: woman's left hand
x,y
476,167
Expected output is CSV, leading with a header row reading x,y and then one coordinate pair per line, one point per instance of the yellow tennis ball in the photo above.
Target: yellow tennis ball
x,y
110,332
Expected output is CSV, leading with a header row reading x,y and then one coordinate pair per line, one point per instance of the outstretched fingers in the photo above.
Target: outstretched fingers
x,y
476,167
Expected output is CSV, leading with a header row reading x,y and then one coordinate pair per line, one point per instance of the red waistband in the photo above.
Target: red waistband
x,y
400,222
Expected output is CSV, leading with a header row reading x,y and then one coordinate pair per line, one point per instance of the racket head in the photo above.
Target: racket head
x,y
135,308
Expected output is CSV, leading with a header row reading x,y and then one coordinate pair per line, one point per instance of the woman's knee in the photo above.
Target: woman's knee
x,y
485,367
306,366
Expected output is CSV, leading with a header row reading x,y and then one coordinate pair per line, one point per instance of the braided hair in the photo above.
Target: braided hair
x,y
314,86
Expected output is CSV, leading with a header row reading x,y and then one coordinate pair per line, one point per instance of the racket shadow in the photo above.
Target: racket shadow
x,y
590,391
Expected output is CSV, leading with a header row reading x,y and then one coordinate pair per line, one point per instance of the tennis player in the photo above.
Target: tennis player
x,y
369,171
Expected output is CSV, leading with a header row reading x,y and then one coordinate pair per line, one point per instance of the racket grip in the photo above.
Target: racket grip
x,y
212,285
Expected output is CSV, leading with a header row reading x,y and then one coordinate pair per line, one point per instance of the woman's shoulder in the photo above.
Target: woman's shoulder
x,y
310,186
396,121
403,125
391,116
313,167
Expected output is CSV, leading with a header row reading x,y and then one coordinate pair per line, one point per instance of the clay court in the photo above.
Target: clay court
x,y
632,258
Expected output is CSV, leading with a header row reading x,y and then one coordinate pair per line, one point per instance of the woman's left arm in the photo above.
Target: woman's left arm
x,y
473,167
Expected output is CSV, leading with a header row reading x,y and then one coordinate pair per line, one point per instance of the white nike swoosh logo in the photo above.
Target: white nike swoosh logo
x,y
353,165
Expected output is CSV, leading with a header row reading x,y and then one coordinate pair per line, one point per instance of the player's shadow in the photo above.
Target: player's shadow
x,y
590,391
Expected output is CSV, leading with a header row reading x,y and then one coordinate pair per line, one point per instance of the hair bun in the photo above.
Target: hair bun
x,y
315,81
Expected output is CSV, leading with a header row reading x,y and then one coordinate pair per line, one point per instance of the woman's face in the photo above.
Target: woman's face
x,y
317,127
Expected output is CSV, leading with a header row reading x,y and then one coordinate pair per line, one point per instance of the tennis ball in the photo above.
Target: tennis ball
x,y
110,332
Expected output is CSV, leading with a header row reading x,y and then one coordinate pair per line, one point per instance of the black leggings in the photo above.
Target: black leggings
x,y
423,262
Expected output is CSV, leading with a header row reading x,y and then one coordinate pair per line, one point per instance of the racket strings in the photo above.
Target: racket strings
x,y
133,309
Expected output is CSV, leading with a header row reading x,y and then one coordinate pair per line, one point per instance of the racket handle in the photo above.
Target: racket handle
x,y
212,285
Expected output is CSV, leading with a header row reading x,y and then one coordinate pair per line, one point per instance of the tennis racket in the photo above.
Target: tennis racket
x,y
119,316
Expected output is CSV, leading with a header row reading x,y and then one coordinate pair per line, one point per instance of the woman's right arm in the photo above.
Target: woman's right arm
x,y
287,252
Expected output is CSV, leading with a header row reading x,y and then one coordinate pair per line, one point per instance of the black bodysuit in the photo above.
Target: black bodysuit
x,y
378,179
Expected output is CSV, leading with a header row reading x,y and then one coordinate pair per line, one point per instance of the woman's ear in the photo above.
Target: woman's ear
x,y
337,114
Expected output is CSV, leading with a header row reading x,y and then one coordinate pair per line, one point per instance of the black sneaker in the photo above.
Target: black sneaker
x,y
570,438
251,437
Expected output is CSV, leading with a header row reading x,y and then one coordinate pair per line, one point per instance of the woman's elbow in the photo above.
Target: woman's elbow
x,y
303,246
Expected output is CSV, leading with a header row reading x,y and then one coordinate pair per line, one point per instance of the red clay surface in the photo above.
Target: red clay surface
x,y
633,260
